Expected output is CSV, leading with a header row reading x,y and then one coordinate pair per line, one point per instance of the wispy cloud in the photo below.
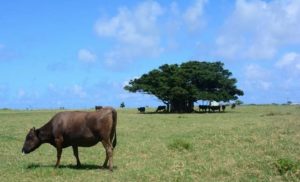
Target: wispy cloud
x,y
193,15
257,78
135,31
86,55
288,67
257,29
290,62
78,90
147,30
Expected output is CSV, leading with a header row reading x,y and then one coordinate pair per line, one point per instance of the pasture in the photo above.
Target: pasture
x,y
249,143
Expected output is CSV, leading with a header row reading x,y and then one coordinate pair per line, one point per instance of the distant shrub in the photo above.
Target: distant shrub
x,y
122,105
271,114
285,165
179,144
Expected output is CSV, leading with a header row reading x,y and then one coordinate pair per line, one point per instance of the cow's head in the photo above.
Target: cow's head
x,y
32,141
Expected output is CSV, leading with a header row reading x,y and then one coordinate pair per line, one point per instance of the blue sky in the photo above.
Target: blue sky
x,y
77,54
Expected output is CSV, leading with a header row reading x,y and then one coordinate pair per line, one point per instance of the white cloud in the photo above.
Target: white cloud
x,y
86,56
193,15
257,78
255,72
290,60
52,88
290,63
78,90
133,27
21,93
67,92
135,30
137,26
257,29
147,30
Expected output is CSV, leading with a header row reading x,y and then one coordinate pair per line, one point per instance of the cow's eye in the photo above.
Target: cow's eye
x,y
29,136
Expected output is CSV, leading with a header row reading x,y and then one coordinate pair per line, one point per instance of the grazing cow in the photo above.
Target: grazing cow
x,y
98,108
76,129
214,108
160,108
141,109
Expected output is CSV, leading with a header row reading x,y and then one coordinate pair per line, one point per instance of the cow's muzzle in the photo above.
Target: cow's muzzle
x,y
24,151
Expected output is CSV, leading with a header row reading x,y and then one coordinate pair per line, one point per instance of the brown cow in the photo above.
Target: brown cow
x,y
76,129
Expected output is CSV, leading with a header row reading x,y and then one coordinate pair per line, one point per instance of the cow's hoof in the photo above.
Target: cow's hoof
x,y
103,167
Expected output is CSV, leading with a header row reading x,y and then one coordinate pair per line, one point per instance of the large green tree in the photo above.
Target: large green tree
x,y
179,86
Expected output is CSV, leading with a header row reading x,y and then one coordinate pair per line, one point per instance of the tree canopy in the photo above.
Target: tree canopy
x,y
179,86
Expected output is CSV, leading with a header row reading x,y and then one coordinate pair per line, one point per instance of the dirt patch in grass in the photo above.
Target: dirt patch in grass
x,y
272,113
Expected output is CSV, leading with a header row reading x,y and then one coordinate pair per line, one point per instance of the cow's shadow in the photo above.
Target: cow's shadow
x,y
82,167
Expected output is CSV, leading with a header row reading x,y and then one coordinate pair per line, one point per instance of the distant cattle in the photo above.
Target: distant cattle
x,y
77,129
223,108
233,106
215,108
141,109
98,108
203,108
207,108
161,108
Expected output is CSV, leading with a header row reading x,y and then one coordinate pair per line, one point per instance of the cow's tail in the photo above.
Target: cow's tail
x,y
113,134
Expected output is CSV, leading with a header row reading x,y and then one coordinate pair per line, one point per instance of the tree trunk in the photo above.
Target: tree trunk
x,y
182,106
190,107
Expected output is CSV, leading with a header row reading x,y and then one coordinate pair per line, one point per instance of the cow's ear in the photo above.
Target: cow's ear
x,y
33,129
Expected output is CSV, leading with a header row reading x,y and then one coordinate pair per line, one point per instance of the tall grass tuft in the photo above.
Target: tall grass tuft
x,y
285,165
180,145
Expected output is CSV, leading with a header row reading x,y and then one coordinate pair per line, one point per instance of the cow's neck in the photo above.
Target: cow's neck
x,y
45,133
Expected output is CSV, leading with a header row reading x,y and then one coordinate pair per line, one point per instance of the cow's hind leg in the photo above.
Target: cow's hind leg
x,y
75,152
109,154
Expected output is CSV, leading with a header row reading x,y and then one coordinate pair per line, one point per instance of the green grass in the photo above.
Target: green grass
x,y
249,143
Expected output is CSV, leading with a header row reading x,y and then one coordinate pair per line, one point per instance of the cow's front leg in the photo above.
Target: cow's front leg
x,y
58,142
75,152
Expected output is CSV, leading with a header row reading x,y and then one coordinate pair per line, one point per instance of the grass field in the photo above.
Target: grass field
x,y
250,143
